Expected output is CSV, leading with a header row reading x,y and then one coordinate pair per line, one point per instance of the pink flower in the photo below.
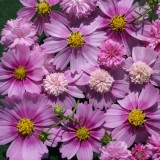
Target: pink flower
x,y
61,88
77,46
78,8
111,54
152,33
103,87
18,31
115,150
140,152
116,20
143,66
153,146
20,71
23,120
83,137
41,9
135,116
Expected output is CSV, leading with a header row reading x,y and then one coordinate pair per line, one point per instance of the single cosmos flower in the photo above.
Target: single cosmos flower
x,y
75,46
18,31
82,138
21,71
23,120
103,87
40,11
135,116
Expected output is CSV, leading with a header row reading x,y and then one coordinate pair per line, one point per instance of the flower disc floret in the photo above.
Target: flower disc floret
x,y
43,8
55,84
75,40
140,72
20,73
25,127
83,133
118,23
136,117
100,81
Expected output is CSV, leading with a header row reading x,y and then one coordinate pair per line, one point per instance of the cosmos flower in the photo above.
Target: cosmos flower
x,y
23,120
41,10
117,19
111,54
135,116
78,8
153,145
82,138
143,66
115,150
140,152
103,87
75,46
18,31
20,71
61,88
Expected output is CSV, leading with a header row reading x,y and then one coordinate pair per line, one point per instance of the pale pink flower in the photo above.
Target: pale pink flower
x,y
18,31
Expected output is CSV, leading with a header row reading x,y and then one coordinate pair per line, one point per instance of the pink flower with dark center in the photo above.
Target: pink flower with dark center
x,y
103,87
135,116
61,87
23,120
18,31
117,19
111,54
78,8
153,145
82,138
21,71
140,152
41,10
75,46
115,151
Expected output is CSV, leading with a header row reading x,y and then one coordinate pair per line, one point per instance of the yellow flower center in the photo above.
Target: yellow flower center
x,y
118,23
75,40
136,117
20,73
83,133
25,126
43,8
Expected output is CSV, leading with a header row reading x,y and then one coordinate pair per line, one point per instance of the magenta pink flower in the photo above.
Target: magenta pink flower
x,y
152,33
78,8
140,152
83,137
136,116
77,46
153,146
117,19
61,88
111,54
115,150
143,66
41,9
23,119
18,31
20,71
103,87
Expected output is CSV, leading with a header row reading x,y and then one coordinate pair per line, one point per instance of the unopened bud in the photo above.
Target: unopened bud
x,y
58,110
43,136
106,139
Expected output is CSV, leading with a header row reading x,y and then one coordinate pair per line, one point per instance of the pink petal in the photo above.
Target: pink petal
x,y
29,3
124,6
75,92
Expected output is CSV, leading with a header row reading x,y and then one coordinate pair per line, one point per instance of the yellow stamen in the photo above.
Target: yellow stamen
x,y
118,23
83,133
25,126
43,8
75,40
20,73
136,117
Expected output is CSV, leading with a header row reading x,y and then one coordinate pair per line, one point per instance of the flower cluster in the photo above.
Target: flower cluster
x,y
90,87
